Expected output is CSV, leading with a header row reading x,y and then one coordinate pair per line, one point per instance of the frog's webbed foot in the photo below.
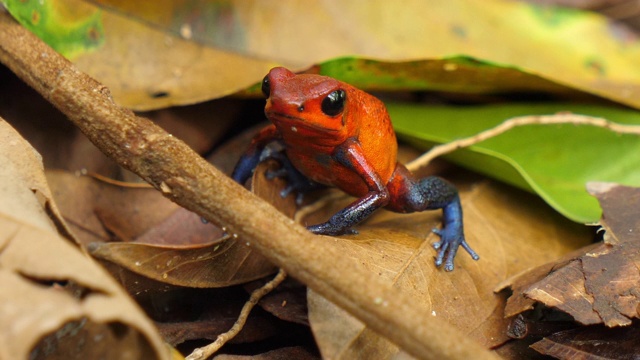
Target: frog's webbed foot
x,y
296,182
435,193
451,238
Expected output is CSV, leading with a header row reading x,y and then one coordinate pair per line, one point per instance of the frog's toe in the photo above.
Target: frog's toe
x,y
450,241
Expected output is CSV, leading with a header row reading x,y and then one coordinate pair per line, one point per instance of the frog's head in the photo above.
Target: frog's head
x,y
307,104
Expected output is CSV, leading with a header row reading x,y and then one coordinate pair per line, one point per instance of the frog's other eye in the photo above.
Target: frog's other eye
x,y
266,86
333,104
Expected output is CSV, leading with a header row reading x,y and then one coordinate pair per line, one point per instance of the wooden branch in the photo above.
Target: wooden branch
x,y
187,179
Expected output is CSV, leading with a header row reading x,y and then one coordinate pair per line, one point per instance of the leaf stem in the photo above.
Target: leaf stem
x,y
206,351
562,118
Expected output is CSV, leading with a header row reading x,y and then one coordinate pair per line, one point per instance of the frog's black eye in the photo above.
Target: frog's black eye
x,y
333,104
266,86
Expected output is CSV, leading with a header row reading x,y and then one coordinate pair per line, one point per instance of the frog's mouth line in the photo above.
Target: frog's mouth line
x,y
298,122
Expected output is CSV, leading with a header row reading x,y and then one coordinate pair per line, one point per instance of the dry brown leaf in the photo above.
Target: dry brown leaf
x,y
49,131
287,302
67,148
598,284
181,229
512,231
519,350
46,129
619,211
592,342
162,242
35,261
194,124
101,211
224,263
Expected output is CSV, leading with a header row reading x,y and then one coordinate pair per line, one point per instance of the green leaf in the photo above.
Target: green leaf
x,y
555,161
459,74
71,28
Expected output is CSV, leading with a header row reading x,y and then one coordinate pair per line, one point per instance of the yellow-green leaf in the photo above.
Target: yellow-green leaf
x,y
70,28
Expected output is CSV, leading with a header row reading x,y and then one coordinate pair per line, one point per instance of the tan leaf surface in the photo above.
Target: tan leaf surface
x,y
36,263
512,231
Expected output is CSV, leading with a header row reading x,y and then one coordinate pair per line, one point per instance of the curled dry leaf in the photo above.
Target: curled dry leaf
x,y
100,211
55,300
598,284
157,239
593,342
511,230
227,262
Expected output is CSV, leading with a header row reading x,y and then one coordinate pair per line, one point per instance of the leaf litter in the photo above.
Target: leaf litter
x,y
154,248
596,288
55,299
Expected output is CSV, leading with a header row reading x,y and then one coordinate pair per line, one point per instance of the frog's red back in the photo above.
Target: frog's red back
x,y
311,136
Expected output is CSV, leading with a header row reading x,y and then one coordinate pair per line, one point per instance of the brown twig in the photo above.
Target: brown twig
x,y
563,118
184,177
206,351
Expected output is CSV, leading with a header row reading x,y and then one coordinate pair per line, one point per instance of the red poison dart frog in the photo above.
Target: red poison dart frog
x,y
334,134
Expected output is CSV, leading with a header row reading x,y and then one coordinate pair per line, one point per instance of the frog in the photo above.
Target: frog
x,y
334,134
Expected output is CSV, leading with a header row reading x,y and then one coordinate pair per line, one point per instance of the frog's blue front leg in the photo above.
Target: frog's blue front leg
x,y
451,235
409,195
439,194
